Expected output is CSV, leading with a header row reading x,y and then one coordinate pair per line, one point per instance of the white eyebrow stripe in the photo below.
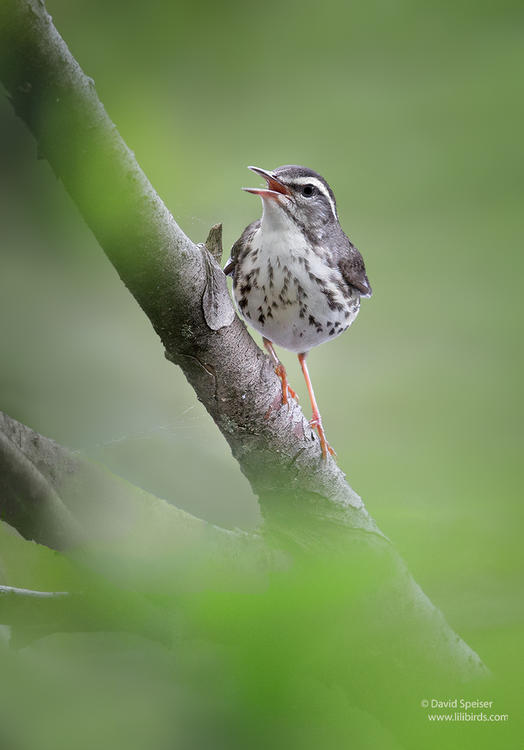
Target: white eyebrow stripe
x,y
320,186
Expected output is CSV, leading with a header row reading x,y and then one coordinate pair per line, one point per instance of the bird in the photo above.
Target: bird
x,y
297,277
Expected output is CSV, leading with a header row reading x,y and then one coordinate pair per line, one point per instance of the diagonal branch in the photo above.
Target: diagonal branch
x,y
182,290
135,523
171,278
59,499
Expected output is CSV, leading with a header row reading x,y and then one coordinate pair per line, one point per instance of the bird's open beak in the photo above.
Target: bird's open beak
x,y
275,189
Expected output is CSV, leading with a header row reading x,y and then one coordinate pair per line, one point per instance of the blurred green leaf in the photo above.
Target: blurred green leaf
x,y
413,113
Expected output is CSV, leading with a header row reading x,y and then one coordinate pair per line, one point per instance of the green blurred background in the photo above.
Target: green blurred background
x,y
413,111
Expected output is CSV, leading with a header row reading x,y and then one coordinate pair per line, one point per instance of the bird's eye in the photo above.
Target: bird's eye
x,y
308,190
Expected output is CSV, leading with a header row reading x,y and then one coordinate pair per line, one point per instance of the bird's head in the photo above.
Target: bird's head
x,y
297,193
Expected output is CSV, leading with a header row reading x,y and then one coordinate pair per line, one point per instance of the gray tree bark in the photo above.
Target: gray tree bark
x,y
182,290
177,283
61,500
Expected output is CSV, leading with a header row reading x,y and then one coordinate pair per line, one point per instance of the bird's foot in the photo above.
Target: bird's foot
x,y
287,391
316,423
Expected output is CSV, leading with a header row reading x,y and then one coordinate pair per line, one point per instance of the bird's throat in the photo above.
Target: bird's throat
x,y
279,233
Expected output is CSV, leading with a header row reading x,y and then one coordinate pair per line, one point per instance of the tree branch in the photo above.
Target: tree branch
x,y
61,500
170,277
29,500
106,508
183,292
6,591
35,614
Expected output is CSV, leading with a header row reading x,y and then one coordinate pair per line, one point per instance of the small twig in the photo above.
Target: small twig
x,y
14,591
170,276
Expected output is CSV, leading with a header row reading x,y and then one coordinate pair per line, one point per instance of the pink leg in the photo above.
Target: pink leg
x,y
280,370
316,421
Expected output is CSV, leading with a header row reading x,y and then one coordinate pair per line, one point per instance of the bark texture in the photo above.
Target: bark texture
x,y
177,283
96,507
182,290
63,501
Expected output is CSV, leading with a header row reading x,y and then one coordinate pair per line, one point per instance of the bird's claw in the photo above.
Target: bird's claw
x,y
316,424
286,388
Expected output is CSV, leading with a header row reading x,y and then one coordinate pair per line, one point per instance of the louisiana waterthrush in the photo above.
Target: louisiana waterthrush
x,y
297,278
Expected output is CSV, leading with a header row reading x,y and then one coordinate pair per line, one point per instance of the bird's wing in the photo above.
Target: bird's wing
x,y
351,266
240,244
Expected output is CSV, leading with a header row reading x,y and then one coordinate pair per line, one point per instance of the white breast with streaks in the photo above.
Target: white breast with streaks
x,y
288,293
